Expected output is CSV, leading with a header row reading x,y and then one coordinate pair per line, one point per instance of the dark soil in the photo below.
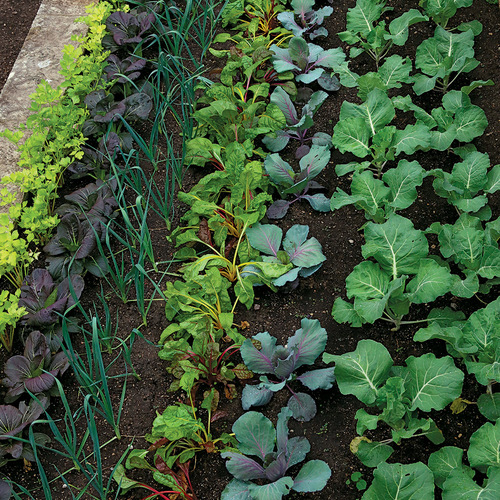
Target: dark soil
x,y
331,431
15,22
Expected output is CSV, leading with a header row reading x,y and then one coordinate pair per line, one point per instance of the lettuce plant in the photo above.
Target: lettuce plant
x,y
308,62
281,362
298,185
381,289
304,254
365,30
297,128
36,370
13,421
475,341
304,20
277,452
44,300
398,393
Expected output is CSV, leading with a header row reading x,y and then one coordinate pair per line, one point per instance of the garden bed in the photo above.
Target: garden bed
x,y
340,233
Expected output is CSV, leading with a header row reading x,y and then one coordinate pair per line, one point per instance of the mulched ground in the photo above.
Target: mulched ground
x,y
15,21
331,431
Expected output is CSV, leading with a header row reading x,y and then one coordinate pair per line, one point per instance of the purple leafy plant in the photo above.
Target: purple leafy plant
x,y
44,300
127,28
36,370
282,361
12,423
304,20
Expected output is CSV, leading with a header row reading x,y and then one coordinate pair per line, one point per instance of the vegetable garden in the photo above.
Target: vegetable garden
x,y
258,256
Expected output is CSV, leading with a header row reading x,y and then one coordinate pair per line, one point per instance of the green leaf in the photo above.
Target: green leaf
x,y
352,135
279,170
430,282
399,26
401,482
403,181
489,406
362,371
315,161
236,490
377,111
444,461
460,486
396,245
470,122
343,312
265,238
360,18
484,448
368,193
374,453
493,181
395,71
411,139
313,476
255,434
432,382
272,491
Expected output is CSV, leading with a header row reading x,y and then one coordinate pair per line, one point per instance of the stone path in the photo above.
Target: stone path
x,y
38,60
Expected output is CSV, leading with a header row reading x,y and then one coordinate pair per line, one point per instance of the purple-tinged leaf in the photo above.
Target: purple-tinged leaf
x,y
255,395
277,143
5,490
302,151
236,490
299,52
11,421
288,277
312,477
278,209
279,170
310,76
284,364
112,113
317,201
329,82
40,383
277,468
265,238
284,103
303,406
282,429
255,434
138,107
302,252
309,341
315,161
242,467
318,379
297,449
271,491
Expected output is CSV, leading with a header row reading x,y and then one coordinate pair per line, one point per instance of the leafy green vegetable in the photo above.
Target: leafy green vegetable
x,y
442,58
426,383
256,436
301,349
380,288
304,20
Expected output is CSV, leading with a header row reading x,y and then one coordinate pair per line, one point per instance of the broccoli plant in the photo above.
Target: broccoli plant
x,y
282,361
256,436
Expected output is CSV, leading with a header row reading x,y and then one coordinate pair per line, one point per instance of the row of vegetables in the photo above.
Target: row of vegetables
x,y
399,270
273,83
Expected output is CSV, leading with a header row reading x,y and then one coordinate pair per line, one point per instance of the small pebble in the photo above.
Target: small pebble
x,y
351,241
256,307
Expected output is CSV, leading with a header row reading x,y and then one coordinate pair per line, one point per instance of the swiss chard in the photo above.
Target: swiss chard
x,y
277,452
301,349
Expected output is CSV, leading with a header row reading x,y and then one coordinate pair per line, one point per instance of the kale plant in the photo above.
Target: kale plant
x,y
282,362
126,29
297,128
304,254
36,370
304,20
277,452
308,62
298,185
